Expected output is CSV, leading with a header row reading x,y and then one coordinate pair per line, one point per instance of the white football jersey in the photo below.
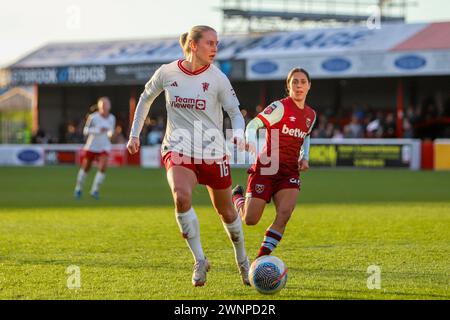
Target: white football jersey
x,y
97,140
194,102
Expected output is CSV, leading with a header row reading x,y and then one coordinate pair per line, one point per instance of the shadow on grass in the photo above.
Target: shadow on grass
x,y
367,293
49,187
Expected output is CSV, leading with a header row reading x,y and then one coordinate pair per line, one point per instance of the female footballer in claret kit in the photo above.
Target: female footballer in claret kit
x,y
289,123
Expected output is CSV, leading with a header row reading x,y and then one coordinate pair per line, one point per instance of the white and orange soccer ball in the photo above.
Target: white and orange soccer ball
x,y
268,274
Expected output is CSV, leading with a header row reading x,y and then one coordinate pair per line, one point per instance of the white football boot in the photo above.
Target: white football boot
x,y
201,267
244,267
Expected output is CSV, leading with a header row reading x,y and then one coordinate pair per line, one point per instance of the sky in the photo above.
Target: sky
x,y
26,25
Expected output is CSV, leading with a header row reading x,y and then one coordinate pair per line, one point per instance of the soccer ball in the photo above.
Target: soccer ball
x,y
268,274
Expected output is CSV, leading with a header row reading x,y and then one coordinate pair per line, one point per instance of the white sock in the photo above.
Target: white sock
x,y
80,179
236,235
99,178
190,229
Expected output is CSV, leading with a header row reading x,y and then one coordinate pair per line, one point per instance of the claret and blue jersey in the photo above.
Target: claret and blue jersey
x,y
283,119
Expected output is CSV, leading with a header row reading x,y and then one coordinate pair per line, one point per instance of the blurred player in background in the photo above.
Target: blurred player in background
x,y
293,120
99,128
195,92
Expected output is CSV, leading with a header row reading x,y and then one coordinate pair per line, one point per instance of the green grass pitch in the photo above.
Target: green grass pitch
x,y
127,244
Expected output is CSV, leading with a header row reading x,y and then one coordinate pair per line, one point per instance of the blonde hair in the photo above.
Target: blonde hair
x,y
104,98
195,34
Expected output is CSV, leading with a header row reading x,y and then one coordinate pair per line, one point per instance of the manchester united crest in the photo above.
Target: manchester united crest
x,y
259,188
205,86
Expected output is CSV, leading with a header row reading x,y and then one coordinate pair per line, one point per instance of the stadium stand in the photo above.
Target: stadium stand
x,y
384,82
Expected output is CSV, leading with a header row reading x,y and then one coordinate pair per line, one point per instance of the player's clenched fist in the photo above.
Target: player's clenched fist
x,y
133,145
240,143
243,145
303,165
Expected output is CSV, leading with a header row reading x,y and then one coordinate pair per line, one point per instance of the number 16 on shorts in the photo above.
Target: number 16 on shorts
x,y
224,168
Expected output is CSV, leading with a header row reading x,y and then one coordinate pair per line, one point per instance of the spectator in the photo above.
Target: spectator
x,y
337,134
72,136
319,132
347,133
148,126
154,137
259,108
329,129
373,127
408,131
359,113
41,137
389,126
118,136
155,133
354,129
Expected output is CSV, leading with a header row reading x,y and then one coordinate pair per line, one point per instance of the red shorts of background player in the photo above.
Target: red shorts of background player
x,y
94,155
264,186
216,175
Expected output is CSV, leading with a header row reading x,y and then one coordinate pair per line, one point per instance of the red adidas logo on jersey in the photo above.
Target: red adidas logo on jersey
x,y
205,86
174,84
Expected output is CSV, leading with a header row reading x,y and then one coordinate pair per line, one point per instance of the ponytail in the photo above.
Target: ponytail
x,y
195,34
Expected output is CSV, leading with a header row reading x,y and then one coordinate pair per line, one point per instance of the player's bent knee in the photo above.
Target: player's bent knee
x,y
182,200
86,166
251,221
228,214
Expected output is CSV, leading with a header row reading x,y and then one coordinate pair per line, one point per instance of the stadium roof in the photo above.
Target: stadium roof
x,y
395,49
303,16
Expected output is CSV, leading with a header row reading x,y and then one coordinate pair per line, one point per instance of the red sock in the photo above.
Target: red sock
x,y
238,202
264,251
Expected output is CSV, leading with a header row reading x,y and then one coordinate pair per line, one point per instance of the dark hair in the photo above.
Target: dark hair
x,y
194,34
291,74
93,108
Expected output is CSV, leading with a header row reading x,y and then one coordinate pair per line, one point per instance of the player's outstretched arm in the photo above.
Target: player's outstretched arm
x,y
237,124
152,89
251,136
230,104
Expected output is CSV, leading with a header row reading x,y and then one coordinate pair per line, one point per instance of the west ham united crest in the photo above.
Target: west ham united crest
x,y
259,188
308,122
